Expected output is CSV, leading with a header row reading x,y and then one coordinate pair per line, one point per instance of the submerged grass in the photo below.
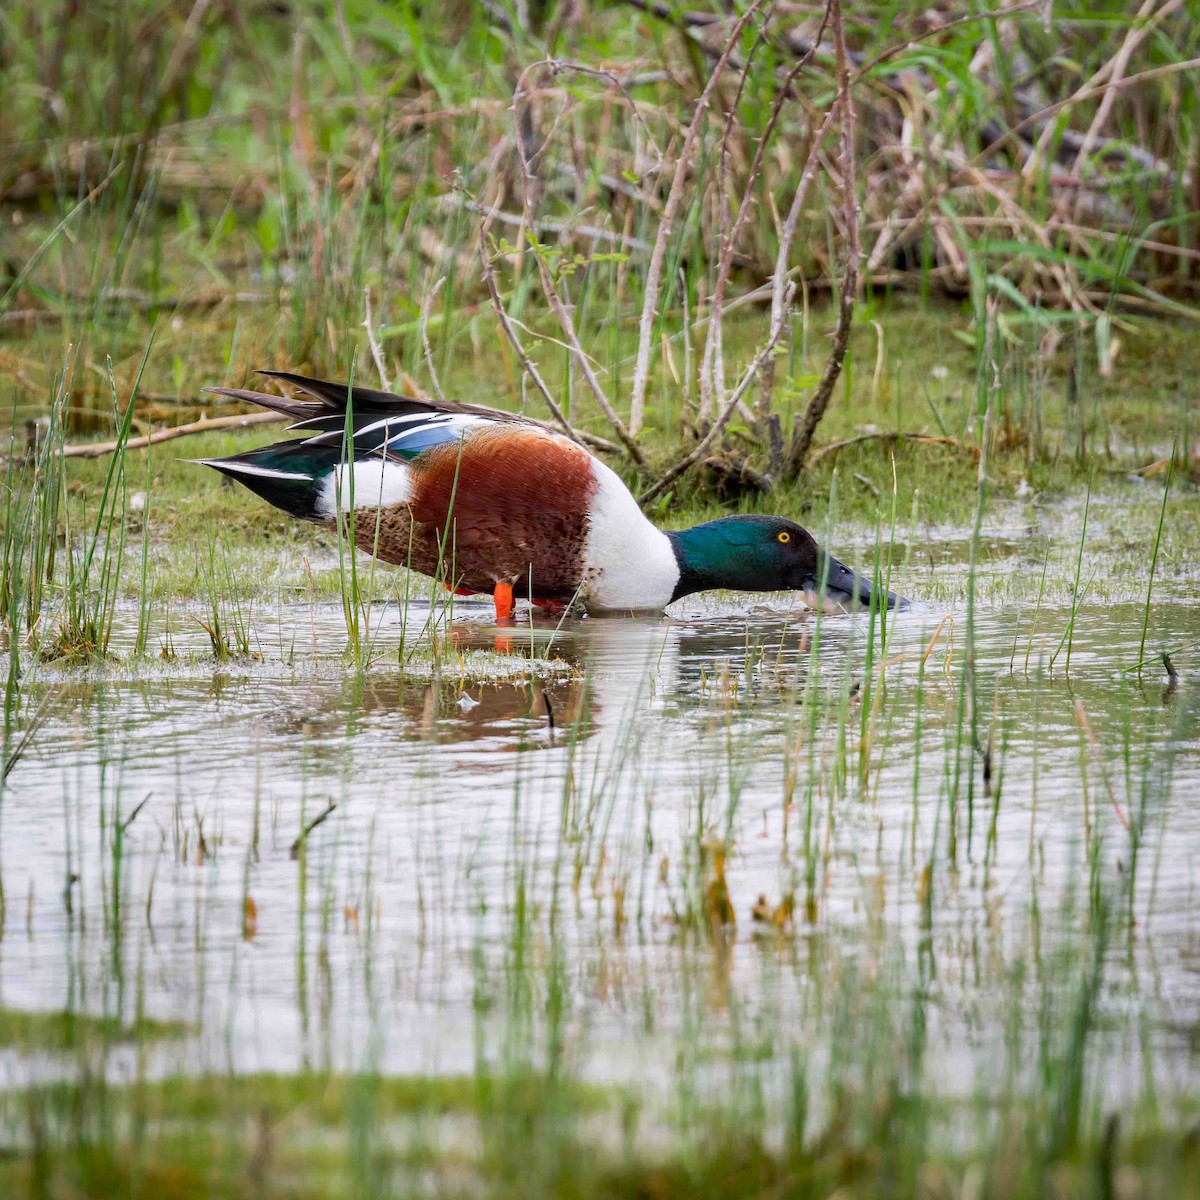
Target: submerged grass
x,y
288,1136
68,1032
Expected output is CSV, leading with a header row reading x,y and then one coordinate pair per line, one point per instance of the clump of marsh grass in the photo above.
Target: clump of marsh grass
x,y
227,621
94,558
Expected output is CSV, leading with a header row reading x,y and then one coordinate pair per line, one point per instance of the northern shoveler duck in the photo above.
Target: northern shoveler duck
x,y
530,513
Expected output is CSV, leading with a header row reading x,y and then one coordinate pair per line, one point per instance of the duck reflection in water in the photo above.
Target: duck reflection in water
x,y
582,673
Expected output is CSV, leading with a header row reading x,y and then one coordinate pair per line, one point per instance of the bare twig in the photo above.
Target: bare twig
x,y
779,281
565,321
561,229
701,448
883,436
1085,93
641,370
1110,76
782,291
1134,38
807,426
373,342
527,364
426,305
730,237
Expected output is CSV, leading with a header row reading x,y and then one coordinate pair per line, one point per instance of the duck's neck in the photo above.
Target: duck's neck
x,y
709,558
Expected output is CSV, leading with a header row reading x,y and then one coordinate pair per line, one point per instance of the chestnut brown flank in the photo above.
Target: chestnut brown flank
x,y
520,508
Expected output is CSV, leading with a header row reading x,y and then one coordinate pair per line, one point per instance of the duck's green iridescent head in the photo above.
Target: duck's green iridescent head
x,y
766,554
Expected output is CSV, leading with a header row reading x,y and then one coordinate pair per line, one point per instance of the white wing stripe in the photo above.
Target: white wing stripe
x,y
243,468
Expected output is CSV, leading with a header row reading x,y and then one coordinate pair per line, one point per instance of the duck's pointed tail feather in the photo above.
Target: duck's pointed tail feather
x,y
300,410
330,399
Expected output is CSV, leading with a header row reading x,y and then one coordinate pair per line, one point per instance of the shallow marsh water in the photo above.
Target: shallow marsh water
x,y
682,848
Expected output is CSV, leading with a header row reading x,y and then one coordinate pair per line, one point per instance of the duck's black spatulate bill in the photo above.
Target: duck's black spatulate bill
x,y
847,589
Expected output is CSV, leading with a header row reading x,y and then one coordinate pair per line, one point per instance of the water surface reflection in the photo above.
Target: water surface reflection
x,y
584,786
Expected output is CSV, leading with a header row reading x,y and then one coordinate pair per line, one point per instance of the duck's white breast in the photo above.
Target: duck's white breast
x,y
628,563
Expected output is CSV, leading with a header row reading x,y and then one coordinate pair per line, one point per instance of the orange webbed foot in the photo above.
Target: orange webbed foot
x,y
503,599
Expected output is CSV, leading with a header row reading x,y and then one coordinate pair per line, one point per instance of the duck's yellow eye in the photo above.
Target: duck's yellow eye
x,y
784,536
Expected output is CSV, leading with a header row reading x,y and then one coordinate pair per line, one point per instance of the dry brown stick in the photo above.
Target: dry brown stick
x,y
802,438
618,84
767,382
1017,219
1101,77
782,291
529,366
729,243
1098,85
426,305
204,425
937,30
1086,93
1079,233
1071,292
565,321
524,131
886,436
1133,38
563,229
779,280
712,367
585,363
641,369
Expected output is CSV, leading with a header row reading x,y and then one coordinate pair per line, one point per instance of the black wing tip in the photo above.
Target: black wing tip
x,y
294,377
335,394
